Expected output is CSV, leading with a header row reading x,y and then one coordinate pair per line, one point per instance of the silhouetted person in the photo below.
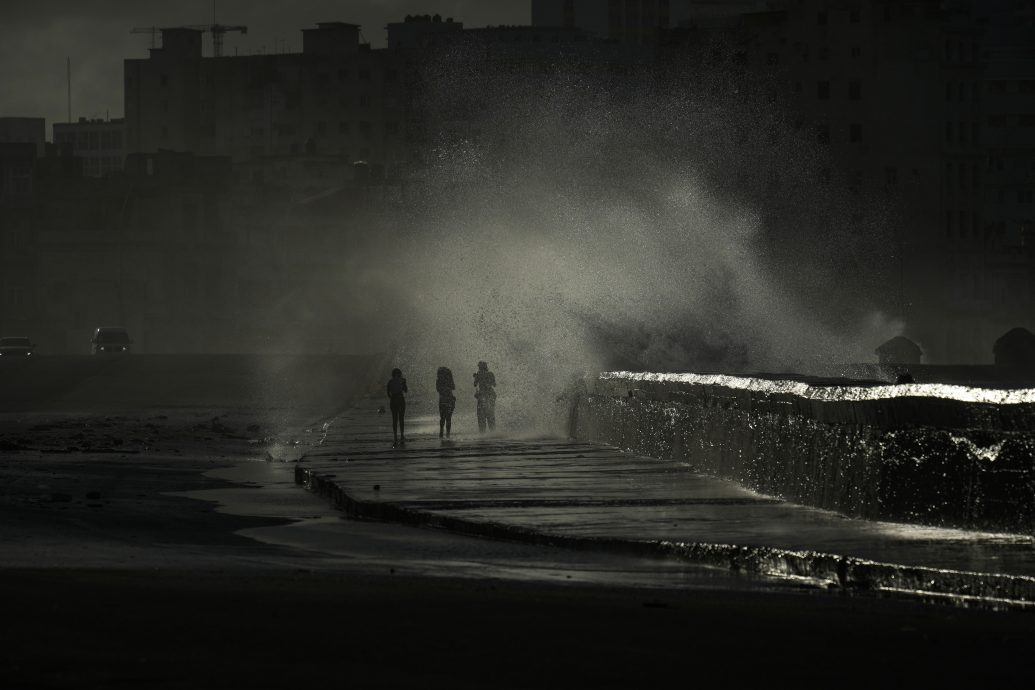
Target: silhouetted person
x,y
485,394
572,396
446,400
397,401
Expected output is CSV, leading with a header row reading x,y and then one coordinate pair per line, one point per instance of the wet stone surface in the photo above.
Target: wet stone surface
x,y
594,493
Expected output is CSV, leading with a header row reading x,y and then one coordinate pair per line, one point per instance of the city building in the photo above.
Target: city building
x,y
419,31
625,21
100,143
897,94
24,130
1008,105
336,98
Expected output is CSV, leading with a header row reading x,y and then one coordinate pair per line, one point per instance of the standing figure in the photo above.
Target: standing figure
x,y
397,401
485,394
446,400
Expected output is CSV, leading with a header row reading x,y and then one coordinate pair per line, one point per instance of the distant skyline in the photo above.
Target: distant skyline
x,y
36,38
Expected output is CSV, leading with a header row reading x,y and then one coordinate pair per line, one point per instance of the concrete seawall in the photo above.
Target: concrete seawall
x,y
926,454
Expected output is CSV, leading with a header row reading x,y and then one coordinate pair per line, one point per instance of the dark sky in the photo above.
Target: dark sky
x,y
36,36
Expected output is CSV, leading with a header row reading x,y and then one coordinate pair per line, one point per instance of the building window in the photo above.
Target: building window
x,y
963,133
343,127
321,128
392,128
165,132
1024,196
854,91
823,134
163,79
855,133
364,75
857,51
823,90
343,74
797,87
163,106
974,132
773,59
391,76
963,92
821,18
948,132
854,15
891,177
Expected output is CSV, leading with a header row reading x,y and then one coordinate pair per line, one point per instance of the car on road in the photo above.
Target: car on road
x,y
110,339
16,346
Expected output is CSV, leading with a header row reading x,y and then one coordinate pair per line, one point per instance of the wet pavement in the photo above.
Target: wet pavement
x,y
213,490
554,491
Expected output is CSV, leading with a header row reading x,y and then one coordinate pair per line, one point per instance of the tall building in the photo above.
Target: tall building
x,y
24,130
625,21
337,98
419,31
98,142
898,94
1008,104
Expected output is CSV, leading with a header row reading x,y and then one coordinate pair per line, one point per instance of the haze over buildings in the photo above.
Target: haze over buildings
x,y
218,214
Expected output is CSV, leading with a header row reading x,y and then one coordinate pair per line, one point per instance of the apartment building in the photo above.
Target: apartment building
x,y
100,143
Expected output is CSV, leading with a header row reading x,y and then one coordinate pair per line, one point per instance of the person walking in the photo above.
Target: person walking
x,y
485,394
397,401
446,400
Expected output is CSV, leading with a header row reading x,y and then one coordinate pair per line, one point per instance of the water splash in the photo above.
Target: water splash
x,y
993,396
988,454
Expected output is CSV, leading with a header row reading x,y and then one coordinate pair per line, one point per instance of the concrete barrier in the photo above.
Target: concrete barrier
x,y
922,453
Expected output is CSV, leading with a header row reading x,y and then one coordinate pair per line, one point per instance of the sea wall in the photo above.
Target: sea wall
x,y
922,453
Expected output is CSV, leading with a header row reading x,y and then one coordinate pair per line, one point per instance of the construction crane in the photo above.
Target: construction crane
x,y
217,31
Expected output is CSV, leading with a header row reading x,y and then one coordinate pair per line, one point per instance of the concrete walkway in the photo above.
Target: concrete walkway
x,y
581,495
